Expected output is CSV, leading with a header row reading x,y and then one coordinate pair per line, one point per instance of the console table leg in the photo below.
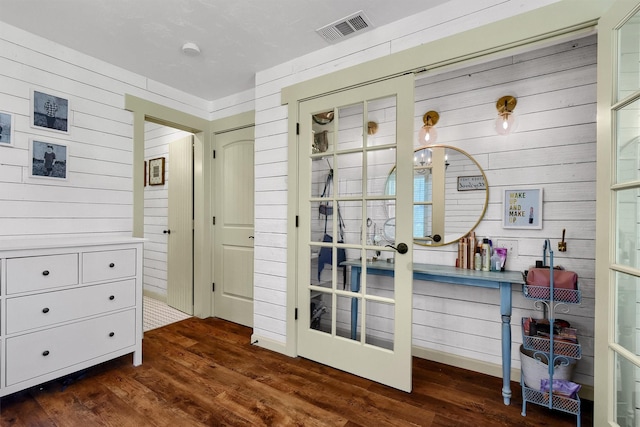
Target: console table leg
x,y
505,311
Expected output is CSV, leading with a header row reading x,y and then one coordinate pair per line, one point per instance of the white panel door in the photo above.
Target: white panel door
x,y
352,315
180,231
233,242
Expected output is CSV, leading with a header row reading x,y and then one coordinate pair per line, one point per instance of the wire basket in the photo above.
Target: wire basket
x,y
533,370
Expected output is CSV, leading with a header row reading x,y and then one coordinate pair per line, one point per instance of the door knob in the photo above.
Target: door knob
x,y
402,248
166,231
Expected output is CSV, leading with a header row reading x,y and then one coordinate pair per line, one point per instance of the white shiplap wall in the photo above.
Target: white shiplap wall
x,y
553,148
97,196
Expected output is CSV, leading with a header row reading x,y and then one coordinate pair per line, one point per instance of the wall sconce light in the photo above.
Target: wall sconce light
x,y
505,123
428,134
372,128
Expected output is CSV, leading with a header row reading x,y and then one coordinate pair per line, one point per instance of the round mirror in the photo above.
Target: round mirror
x,y
450,195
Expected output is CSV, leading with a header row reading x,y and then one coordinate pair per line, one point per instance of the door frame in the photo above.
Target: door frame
x,y
543,26
147,111
223,125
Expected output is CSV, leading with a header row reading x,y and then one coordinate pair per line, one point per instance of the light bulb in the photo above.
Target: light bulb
x,y
427,135
505,123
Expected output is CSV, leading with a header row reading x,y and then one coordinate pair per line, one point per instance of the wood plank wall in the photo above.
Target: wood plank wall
x,y
97,195
553,148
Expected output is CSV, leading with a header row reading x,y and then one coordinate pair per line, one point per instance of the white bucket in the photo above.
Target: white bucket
x,y
535,370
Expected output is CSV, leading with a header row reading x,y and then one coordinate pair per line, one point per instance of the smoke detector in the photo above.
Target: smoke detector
x,y
190,49
345,27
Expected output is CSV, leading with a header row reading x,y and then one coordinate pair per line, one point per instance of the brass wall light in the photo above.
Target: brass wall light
x,y
372,128
428,134
505,123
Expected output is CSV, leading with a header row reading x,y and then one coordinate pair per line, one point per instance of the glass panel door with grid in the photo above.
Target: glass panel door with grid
x,y
617,365
354,288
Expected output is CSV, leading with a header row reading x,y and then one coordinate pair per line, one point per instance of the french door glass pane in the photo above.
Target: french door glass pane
x,y
381,116
348,172
344,326
627,312
629,58
380,322
628,221
350,120
626,382
628,147
321,309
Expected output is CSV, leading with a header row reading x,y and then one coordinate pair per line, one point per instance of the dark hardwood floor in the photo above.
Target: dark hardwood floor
x,y
205,373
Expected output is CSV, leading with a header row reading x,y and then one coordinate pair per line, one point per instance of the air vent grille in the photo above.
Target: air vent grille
x,y
345,27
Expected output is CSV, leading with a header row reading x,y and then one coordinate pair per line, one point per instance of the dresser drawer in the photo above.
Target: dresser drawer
x,y
108,265
41,272
47,309
38,353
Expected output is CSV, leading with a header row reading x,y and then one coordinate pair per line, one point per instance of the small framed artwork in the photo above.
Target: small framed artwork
x,y
146,173
6,129
48,159
522,208
156,171
50,111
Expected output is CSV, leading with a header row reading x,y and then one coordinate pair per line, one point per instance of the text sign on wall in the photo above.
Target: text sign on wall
x,y
467,183
522,208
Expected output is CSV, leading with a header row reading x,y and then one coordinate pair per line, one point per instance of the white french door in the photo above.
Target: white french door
x,y
617,348
354,303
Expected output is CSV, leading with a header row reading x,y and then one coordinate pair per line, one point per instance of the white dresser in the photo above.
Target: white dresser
x,y
67,304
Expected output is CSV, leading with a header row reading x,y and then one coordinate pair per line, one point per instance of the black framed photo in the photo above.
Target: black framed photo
x,y
48,159
6,129
156,171
50,111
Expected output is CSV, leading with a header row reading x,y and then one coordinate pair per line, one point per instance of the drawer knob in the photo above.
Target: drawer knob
x,y
112,297
112,265
45,273
45,353
111,334
45,310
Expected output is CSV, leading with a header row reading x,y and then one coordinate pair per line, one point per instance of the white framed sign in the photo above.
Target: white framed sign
x,y
522,208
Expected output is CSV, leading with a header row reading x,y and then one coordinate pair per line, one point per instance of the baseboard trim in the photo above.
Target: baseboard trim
x,y
154,295
586,392
270,344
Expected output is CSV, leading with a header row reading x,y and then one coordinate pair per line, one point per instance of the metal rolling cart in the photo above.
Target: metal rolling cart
x,y
551,299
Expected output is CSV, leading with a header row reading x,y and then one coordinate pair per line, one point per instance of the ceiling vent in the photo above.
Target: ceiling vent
x,y
345,27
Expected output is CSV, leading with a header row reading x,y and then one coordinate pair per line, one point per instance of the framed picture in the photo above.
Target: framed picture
x,y
49,111
522,208
146,173
48,159
156,171
470,183
6,129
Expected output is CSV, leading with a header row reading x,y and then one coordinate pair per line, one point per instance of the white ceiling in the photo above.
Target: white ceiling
x,y
237,38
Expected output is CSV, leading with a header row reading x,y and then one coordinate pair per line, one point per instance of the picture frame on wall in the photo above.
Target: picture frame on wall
x,y
522,208
146,173
156,171
6,129
48,159
50,111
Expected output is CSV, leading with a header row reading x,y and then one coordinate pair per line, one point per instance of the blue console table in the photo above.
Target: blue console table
x,y
501,280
